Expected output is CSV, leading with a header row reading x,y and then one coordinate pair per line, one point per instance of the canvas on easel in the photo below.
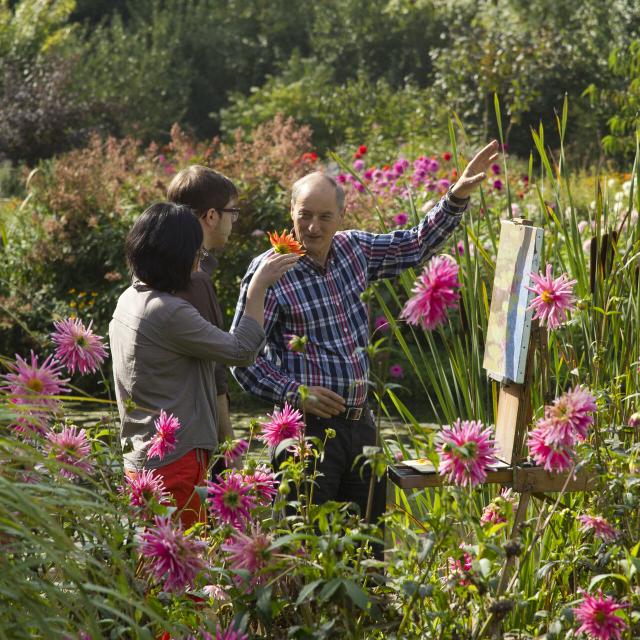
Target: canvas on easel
x,y
507,341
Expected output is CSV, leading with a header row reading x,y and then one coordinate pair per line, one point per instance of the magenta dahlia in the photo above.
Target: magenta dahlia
x,y
284,424
434,292
549,453
170,555
597,615
231,500
145,488
78,347
466,450
164,441
70,448
249,552
553,299
264,483
600,527
35,385
234,450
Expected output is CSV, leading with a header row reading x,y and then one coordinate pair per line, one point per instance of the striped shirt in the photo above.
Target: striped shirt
x,y
324,304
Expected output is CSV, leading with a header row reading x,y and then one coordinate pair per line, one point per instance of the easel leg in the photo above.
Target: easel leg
x,y
521,511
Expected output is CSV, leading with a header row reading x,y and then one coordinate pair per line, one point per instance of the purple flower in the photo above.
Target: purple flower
x,y
396,371
597,615
381,324
231,500
285,423
401,219
554,298
358,165
495,169
497,184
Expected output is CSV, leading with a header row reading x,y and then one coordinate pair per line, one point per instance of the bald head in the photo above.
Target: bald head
x,y
319,180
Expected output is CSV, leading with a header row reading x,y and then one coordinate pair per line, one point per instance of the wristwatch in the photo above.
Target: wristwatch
x,y
459,202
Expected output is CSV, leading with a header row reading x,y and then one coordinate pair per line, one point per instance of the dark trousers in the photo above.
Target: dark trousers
x,y
338,478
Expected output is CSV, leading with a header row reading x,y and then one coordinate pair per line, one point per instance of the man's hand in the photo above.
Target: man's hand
x,y
476,171
323,402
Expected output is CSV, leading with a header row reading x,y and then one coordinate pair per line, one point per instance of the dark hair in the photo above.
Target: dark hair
x,y
162,246
201,189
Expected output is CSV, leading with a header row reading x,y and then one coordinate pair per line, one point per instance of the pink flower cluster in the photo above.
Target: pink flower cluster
x,y
551,443
234,495
434,292
466,450
425,174
171,556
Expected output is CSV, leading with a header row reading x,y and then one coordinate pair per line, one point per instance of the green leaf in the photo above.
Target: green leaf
x,y
604,576
329,589
306,591
357,594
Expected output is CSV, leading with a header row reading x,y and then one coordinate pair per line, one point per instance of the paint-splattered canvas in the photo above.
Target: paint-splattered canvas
x,y
507,340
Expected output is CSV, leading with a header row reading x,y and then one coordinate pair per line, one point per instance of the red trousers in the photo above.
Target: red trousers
x,y
180,479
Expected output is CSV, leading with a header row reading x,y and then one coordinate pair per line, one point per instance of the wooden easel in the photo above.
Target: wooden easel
x,y
513,420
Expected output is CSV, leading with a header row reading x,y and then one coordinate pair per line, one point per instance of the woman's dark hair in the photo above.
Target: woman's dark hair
x,y
162,246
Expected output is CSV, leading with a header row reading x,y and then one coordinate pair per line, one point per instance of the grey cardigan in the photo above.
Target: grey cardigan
x,y
164,354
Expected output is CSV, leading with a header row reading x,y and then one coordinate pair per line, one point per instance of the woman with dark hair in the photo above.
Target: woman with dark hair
x,y
164,351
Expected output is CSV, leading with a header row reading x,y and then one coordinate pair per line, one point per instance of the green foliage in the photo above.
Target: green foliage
x,y
624,124
359,110
531,55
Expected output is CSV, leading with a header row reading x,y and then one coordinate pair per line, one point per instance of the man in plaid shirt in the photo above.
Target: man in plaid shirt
x,y
320,298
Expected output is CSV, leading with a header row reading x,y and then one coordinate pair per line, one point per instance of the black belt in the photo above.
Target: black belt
x,y
352,413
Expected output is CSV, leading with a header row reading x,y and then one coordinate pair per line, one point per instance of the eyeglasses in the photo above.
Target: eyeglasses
x,y
234,211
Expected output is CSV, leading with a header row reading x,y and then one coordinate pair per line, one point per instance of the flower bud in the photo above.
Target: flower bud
x,y
634,420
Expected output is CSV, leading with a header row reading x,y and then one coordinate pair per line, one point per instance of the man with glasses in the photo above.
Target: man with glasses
x,y
213,198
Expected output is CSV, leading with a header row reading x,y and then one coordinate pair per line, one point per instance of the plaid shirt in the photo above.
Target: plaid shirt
x,y
324,304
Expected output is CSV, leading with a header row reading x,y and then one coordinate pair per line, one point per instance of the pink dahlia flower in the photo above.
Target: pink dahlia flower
x,y
78,347
500,509
458,570
33,384
172,556
548,453
553,298
249,552
466,450
600,527
264,483
146,488
597,615
285,423
434,292
234,450
71,448
570,416
164,441
28,424
231,500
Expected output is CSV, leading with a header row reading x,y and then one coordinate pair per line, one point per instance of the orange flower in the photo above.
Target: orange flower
x,y
285,243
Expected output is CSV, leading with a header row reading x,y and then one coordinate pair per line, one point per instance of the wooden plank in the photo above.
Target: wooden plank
x,y
537,480
407,478
523,479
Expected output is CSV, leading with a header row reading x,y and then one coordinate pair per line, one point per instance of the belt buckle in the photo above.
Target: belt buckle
x,y
353,413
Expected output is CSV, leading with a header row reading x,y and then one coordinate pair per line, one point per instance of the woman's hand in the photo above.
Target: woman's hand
x,y
272,268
